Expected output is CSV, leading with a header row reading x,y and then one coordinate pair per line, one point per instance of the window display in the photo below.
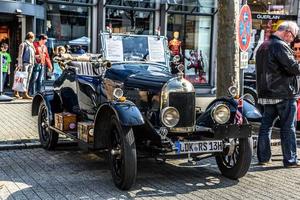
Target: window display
x,y
190,37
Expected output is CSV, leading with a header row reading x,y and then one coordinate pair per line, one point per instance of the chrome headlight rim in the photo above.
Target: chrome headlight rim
x,y
170,123
215,114
118,93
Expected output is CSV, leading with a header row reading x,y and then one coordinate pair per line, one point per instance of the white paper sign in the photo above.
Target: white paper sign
x,y
156,50
114,48
243,60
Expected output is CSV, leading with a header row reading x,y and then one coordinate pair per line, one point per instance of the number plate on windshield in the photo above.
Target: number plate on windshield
x,y
199,146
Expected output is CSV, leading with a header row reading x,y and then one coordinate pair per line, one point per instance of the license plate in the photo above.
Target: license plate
x,y
199,146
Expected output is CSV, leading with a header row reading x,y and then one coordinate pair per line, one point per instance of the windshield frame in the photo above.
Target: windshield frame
x,y
166,55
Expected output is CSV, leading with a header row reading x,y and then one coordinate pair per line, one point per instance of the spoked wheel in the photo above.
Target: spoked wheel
x,y
122,155
48,138
235,161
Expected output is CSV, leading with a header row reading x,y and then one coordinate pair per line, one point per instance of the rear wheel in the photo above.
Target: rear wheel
x,y
48,138
122,155
235,161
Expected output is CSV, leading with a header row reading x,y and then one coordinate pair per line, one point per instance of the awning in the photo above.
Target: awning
x,y
80,41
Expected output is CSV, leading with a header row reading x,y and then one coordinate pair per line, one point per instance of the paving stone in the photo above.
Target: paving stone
x,y
73,174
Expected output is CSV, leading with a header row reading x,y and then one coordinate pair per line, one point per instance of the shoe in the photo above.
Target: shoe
x,y
16,94
267,163
297,165
26,96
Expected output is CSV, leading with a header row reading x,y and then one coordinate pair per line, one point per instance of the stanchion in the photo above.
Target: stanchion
x,y
2,96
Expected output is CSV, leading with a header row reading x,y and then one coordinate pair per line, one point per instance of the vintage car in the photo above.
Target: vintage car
x,y
137,107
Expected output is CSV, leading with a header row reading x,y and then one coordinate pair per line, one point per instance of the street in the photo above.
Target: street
x,y
69,173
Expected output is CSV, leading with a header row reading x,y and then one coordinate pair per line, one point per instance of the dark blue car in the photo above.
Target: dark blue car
x,y
137,107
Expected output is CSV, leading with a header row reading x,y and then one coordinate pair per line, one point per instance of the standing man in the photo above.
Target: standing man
x,y
278,83
42,61
6,60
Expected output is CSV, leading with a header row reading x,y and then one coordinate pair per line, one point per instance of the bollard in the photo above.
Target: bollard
x,y
2,96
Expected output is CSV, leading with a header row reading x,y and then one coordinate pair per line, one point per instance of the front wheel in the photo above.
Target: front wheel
x,y
234,162
122,155
48,138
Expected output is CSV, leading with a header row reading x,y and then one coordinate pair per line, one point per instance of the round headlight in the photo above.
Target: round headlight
x,y
118,93
221,114
169,117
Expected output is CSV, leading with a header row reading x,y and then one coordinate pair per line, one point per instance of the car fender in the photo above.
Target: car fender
x,y
249,111
126,112
51,100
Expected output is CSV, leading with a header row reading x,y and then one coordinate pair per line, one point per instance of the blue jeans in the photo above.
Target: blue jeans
x,y
287,111
4,75
37,79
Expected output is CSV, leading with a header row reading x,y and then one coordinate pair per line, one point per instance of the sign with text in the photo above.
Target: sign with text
x,y
243,60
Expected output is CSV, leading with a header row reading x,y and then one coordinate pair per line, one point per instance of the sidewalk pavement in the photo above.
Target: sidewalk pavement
x,y
18,129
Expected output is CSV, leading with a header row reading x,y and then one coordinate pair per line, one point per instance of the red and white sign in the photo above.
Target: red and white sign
x,y
244,28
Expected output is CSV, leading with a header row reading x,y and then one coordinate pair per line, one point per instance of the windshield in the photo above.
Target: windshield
x,y
135,48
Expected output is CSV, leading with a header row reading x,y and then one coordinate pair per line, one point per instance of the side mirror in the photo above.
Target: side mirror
x,y
233,91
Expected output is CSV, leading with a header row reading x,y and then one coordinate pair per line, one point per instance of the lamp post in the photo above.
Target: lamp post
x,y
2,96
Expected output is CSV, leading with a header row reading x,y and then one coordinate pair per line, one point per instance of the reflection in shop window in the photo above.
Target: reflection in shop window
x,y
190,37
138,22
66,23
132,3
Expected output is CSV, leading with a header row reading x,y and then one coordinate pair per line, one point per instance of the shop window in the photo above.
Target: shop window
x,y
267,16
193,6
279,7
138,22
190,37
68,23
132,3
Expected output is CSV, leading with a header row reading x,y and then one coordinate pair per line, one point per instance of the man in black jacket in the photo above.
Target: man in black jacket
x,y
278,84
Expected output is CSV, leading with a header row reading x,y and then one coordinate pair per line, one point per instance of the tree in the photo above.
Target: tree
x,y
227,48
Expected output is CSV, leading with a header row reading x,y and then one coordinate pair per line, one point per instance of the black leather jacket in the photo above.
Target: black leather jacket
x,y
277,71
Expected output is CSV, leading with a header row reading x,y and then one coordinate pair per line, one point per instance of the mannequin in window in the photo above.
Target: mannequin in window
x,y
175,49
175,44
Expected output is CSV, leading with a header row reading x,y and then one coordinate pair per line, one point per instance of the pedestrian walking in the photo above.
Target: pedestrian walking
x,y
278,84
43,61
26,60
6,60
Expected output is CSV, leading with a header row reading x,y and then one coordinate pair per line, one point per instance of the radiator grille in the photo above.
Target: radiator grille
x,y
184,102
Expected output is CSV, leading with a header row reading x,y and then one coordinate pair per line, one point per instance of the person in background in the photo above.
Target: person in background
x,y
278,81
42,62
80,50
6,60
26,59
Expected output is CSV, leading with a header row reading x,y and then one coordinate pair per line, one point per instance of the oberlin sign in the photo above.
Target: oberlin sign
x,y
244,28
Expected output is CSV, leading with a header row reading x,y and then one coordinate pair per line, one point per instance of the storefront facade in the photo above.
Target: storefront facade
x,y
17,18
267,15
188,26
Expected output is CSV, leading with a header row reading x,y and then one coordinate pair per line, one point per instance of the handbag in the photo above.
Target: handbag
x,y
20,81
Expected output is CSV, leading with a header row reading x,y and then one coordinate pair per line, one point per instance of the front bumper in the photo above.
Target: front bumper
x,y
232,131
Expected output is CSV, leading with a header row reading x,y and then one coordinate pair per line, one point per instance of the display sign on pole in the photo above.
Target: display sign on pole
x,y
245,28
243,60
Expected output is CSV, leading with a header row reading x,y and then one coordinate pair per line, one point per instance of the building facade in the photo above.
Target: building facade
x,y
189,25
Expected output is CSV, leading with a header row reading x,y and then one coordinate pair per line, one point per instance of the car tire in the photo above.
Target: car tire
x,y
122,154
236,165
48,138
